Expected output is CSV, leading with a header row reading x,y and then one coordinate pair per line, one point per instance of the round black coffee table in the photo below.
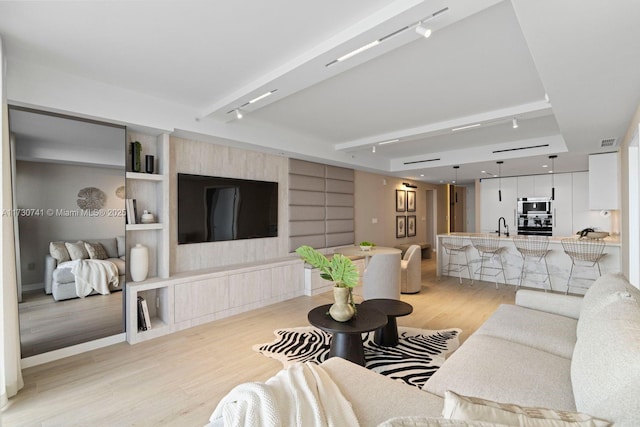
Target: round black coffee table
x,y
346,339
387,335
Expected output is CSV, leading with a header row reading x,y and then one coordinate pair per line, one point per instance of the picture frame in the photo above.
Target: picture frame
x,y
401,200
411,201
411,225
401,226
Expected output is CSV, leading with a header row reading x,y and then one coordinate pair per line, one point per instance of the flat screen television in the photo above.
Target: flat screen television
x,y
214,209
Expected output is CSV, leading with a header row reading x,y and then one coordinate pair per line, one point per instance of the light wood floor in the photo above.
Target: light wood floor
x,y
177,380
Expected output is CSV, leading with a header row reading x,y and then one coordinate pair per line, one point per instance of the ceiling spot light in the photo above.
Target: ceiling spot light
x,y
373,149
515,123
391,141
456,178
475,125
423,31
238,114
263,96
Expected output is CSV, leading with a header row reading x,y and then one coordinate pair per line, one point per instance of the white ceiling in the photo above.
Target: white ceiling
x,y
568,71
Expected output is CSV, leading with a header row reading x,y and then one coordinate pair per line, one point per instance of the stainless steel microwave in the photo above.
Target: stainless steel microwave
x,y
534,205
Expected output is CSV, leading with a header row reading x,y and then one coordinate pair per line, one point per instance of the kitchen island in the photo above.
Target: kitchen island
x,y
558,262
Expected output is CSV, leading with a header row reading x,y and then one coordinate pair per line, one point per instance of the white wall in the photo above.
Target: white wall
x,y
54,187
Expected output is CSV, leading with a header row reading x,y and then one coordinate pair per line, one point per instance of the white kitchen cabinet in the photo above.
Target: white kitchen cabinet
x,y
491,208
604,181
583,216
534,186
562,205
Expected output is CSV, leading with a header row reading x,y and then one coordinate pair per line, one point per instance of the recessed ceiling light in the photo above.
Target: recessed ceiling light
x,y
421,174
466,127
483,171
545,166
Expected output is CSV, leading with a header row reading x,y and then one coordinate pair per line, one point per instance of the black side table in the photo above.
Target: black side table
x,y
388,334
346,339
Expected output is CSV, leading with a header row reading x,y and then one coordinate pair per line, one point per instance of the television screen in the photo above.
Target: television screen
x,y
213,209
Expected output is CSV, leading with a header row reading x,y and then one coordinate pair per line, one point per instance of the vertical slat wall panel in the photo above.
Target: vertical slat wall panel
x,y
321,205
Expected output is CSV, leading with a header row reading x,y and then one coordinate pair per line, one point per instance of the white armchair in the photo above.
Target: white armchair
x,y
410,271
381,277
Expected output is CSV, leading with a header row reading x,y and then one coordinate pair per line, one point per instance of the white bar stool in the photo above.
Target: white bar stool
x,y
533,248
454,246
583,253
488,247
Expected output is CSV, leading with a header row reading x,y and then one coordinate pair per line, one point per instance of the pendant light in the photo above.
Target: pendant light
x,y
553,176
455,168
500,162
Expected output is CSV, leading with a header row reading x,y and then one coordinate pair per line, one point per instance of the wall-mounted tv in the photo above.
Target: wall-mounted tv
x,y
213,209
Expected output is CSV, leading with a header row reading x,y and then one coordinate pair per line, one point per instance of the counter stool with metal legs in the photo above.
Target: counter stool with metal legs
x,y
454,246
533,248
583,253
488,247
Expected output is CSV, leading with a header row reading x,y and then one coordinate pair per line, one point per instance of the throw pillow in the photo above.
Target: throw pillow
x,y
122,248
59,252
76,250
474,409
95,250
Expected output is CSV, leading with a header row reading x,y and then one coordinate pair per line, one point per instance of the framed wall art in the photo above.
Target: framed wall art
x,y
411,201
401,197
401,226
411,225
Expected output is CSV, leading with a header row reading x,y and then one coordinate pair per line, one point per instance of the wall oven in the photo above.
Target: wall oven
x,y
535,217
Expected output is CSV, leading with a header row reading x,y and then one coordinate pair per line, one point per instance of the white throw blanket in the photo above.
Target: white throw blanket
x,y
301,395
94,274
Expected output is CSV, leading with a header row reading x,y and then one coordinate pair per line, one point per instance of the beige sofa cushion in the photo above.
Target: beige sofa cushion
x,y
606,290
59,252
605,370
459,407
543,331
77,250
376,398
503,371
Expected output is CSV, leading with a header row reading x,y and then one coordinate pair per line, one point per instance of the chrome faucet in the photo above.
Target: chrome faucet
x,y
504,221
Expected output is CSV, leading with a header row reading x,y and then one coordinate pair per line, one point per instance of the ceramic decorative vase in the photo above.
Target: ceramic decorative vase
x,y
341,310
138,263
149,163
147,218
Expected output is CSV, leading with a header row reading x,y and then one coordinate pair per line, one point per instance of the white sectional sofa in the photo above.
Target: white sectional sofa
x,y
578,358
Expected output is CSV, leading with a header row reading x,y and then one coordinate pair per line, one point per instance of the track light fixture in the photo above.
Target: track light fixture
x,y
423,31
499,162
455,168
515,123
238,114
373,149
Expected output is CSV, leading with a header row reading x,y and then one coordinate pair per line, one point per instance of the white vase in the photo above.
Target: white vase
x,y
138,262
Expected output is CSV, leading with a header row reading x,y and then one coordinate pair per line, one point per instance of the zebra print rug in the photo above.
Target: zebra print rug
x,y
418,355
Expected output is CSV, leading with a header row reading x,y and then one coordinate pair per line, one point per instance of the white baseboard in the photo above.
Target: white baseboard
x,y
50,356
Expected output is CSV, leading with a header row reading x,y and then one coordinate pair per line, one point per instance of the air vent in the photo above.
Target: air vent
x,y
608,142
421,161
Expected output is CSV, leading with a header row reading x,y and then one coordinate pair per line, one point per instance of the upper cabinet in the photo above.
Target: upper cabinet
x,y
493,207
534,186
604,181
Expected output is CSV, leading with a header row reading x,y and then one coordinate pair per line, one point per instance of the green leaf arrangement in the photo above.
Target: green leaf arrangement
x,y
340,269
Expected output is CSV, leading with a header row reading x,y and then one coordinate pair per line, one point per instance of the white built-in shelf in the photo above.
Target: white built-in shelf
x,y
145,176
138,227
